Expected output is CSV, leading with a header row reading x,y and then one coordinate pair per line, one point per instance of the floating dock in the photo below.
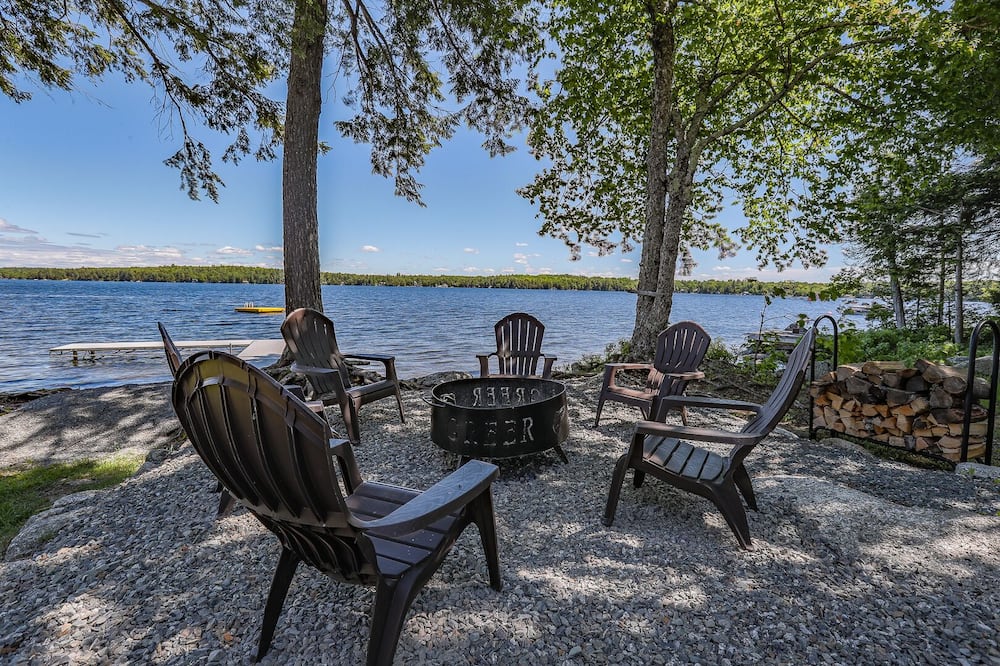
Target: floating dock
x,y
248,348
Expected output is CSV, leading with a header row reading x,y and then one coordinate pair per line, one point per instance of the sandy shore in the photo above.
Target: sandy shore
x,y
858,560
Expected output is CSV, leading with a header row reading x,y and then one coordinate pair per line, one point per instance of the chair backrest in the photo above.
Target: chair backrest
x,y
274,455
519,344
679,348
785,392
174,358
311,338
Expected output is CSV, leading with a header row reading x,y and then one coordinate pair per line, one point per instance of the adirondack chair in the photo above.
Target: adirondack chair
x,y
662,450
519,348
278,459
679,351
311,338
174,360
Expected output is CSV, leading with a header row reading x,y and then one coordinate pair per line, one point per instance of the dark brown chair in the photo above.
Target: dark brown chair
x,y
658,448
174,360
519,348
679,351
313,342
277,458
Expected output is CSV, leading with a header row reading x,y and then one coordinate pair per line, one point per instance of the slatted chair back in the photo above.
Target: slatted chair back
x,y
787,390
519,344
679,348
174,358
311,338
273,454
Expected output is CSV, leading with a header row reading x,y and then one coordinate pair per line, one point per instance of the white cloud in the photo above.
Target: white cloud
x,y
520,245
261,248
441,270
8,228
521,259
626,261
229,249
470,250
470,269
369,248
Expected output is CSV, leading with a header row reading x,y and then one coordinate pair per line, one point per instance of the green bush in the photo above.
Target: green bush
x,y
891,344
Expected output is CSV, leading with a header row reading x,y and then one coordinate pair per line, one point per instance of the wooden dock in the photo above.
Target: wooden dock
x,y
248,348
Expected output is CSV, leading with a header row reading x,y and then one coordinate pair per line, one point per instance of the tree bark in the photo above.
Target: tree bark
x,y
963,220
304,103
897,301
653,304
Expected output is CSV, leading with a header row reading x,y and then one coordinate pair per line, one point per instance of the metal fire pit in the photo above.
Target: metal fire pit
x,y
499,417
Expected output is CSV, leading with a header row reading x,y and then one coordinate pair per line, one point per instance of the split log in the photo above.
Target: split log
x,y
894,397
881,367
916,384
939,398
847,370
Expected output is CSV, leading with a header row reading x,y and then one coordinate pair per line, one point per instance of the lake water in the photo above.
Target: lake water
x,y
427,329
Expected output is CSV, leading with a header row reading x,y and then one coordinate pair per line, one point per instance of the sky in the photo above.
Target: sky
x,y
82,183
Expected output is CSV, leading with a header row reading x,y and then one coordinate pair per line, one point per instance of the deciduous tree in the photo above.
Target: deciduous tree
x,y
659,109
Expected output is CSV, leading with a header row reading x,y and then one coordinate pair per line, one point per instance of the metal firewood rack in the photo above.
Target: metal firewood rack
x,y
969,399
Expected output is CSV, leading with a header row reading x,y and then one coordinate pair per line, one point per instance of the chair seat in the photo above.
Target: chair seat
x,y
682,459
624,393
397,555
382,388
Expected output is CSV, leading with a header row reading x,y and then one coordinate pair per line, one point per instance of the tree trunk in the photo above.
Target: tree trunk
x,y
941,291
963,220
653,304
301,148
897,301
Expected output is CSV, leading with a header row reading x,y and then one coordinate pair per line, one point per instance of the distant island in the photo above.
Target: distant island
x,y
253,275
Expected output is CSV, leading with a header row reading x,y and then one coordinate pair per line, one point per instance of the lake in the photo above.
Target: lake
x,y
427,329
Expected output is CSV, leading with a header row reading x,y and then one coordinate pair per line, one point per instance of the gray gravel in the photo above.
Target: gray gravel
x,y
858,561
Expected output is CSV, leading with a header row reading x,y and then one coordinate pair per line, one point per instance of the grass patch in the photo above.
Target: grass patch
x,y
23,493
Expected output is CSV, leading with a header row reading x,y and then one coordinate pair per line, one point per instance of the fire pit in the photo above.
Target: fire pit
x,y
499,417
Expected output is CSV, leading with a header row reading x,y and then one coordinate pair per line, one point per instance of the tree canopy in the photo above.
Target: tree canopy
x,y
657,112
206,60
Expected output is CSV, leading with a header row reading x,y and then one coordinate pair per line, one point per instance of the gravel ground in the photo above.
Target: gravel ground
x,y
857,561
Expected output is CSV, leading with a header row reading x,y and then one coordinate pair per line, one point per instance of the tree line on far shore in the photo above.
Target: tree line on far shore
x,y
256,275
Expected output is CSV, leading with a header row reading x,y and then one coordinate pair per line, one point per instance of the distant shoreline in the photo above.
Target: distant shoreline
x,y
251,275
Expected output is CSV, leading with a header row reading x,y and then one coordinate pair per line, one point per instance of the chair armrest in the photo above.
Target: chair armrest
x,y
312,370
450,493
484,363
709,403
689,376
547,366
382,358
627,366
697,434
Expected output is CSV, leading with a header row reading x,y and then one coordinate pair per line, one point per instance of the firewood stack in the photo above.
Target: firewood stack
x,y
920,408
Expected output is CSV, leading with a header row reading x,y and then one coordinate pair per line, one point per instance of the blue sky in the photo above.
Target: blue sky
x,y
82,183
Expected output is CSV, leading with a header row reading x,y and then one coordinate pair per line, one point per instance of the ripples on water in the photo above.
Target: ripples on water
x,y
428,329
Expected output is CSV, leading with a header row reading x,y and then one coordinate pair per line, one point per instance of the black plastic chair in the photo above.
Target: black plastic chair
x,y
276,456
311,338
519,348
662,450
680,349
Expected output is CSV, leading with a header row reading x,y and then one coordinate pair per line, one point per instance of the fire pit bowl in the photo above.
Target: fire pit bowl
x,y
499,417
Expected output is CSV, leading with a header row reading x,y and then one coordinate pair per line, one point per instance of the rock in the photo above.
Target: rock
x,y
977,470
432,380
41,527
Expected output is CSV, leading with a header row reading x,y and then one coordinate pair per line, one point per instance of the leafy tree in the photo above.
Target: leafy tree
x,y
923,202
657,109
207,61
387,55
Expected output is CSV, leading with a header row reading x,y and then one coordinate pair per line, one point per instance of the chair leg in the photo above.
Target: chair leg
x,y
276,599
684,415
637,478
616,488
742,480
485,519
392,601
226,504
727,500
600,406
351,423
399,404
